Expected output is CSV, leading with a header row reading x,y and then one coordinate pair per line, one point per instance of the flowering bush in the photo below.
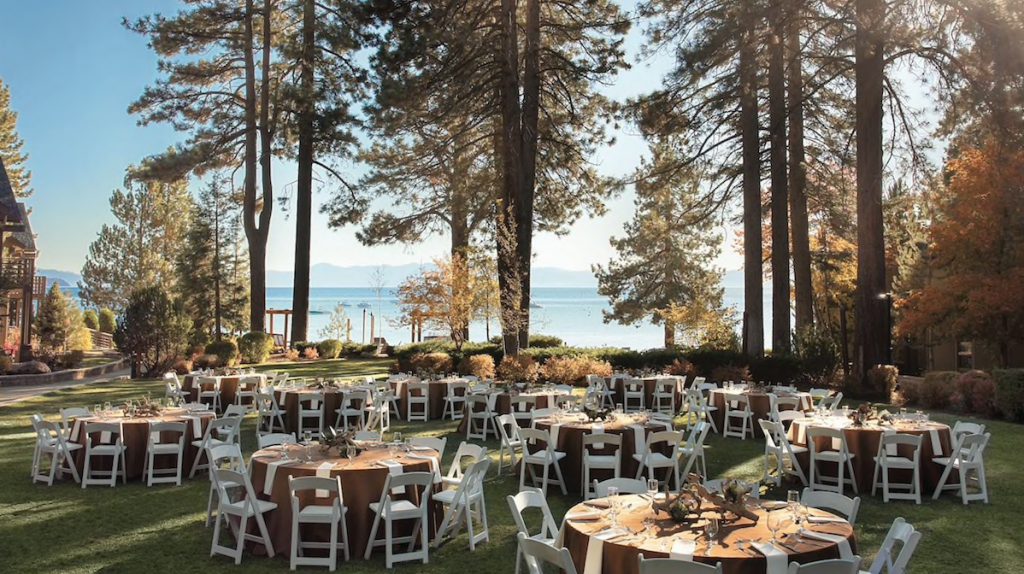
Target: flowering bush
x,y
291,355
310,353
574,370
481,366
521,369
975,393
682,368
432,363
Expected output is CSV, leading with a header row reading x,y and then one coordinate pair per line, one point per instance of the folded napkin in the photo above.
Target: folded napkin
x,y
892,448
434,468
394,469
595,549
197,425
933,434
639,439
825,520
778,561
598,428
845,552
683,549
773,504
553,431
324,471
76,429
268,481
585,515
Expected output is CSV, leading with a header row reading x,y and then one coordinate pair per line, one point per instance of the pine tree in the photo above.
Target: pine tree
x,y
664,265
207,266
59,324
11,146
140,248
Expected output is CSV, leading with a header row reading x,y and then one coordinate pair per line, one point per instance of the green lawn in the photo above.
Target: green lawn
x,y
137,529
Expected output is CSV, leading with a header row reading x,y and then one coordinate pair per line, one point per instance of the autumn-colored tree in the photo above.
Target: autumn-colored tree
x,y
976,253
440,297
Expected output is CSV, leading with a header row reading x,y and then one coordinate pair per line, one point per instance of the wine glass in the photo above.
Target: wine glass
x,y
613,502
798,519
307,436
711,530
774,525
652,487
793,499
97,409
398,438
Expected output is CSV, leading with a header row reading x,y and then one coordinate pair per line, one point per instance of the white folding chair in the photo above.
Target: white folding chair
x,y
209,390
536,554
888,458
455,400
391,509
961,428
311,414
158,446
664,397
527,499
545,457
248,389
352,406
900,532
676,566
522,407
633,395
693,450
508,430
368,436
112,447
236,411
622,485
464,503
172,388
817,395
593,460
50,441
698,409
327,507
834,566
218,432
784,409
831,403
248,507
69,414
435,443
651,460
838,455
833,502
417,402
276,439
225,457
378,414
737,408
777,446
967,457
480,415
269,413
465,457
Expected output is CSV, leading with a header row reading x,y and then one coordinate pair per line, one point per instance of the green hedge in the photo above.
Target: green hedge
x,y
329,348
1010,392
536,341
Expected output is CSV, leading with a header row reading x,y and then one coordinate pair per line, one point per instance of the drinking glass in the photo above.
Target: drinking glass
x,y
613,504
903,413
97,409
350,452
307,437
798,518
793,498
106,407
652,487
618,408
398,438
711,530
775,524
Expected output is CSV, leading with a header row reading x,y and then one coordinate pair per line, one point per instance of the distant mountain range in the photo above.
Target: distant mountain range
x,y
329,275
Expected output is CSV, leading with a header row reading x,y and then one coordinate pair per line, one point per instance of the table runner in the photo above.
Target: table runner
x,y
595,550
777,560
268,482
845,552
394,469
683,549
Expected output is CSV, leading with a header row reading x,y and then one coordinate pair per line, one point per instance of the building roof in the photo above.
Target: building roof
x,y
11,216
25,238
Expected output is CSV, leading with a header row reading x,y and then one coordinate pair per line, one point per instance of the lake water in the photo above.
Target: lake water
x,y
574,314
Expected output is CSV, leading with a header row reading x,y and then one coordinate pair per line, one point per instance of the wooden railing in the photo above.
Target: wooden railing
x,y
101,340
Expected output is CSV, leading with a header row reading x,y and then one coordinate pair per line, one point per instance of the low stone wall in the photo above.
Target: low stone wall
x,y
63,376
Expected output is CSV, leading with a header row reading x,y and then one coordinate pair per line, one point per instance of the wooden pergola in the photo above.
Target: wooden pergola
x,y
271,313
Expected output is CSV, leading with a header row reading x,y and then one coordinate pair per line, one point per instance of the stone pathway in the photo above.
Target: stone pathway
x,y
11,395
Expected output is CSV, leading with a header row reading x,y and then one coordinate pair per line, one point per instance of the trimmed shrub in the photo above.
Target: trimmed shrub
x,y
206,361
1010,392
481,366
682,368
707,360
107,321
329,348
818,354
182,366
730,373
975,393
545,341
937,388
521,369
778,369
310,353
255,347
226,351
905,392
879,381
574,370
301,346
91,319
6,363
431,363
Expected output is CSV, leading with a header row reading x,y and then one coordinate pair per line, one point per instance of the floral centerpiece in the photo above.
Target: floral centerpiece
x,y
685,506
145,408
331,438
322,384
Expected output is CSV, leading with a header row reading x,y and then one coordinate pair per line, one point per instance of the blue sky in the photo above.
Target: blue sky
x,y
73,70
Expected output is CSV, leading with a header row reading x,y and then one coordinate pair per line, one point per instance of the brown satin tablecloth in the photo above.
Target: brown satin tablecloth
x,y
135,436
503,403
288,399
228,388
362,481
622,556
570,441
760,406
863,444
436,392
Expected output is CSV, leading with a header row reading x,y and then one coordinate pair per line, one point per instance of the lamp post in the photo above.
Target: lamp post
x,y
887,297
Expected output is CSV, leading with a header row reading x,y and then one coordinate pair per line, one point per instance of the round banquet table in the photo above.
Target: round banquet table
x,y
621,555
288,399
760,405
437,390
863,443
228,388
502,401
135,437
570,441
618,385
362,480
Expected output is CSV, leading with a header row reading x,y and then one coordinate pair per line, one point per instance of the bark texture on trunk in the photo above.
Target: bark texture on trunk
x,y
871,337
529,135
509,155
781,331
753,286
257,272
304,186
799,225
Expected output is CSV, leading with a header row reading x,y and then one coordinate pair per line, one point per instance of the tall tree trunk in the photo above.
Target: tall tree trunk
x,y
531,120
460,233
799,225
872,338
257,249
781,332
304,187
216,265
670,334
508,144
753,287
